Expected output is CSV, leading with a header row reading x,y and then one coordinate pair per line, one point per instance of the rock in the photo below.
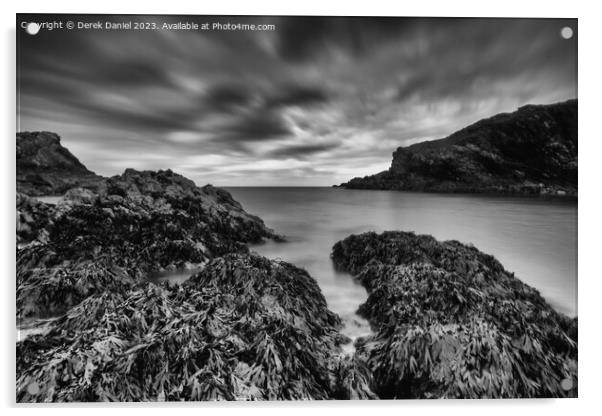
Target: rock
x,y
45,167
138,222
504,154
451,322
163,220
244,327
48,291
80,196
214,338
33,217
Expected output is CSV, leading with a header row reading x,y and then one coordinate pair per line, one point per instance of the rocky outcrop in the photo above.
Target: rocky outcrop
x,y
532,151
244,328
45,167
32,218
140,223
451,322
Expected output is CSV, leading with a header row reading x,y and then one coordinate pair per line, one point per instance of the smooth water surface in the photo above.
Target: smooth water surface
x,y
534,238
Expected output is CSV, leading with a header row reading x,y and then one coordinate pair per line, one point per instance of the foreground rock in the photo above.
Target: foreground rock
x,y
45,167
32,219
140,223
451,322
245,328
532,151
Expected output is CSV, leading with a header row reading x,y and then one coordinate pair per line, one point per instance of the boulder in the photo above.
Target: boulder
x,y
451,322
244,328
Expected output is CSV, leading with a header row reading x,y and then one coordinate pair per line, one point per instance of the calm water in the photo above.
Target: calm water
x,y
535,239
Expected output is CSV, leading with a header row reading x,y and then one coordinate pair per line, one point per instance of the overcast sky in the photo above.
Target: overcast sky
x,y
315,102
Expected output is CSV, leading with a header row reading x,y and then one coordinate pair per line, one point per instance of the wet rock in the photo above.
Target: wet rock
x,y
144,221
49,291
532,151
79,196
244,328
451,322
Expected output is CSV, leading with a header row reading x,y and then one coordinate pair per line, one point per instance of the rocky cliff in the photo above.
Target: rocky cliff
x,y
45,167
530,151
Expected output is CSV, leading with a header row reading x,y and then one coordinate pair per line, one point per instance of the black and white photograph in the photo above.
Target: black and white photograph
x,y
293,208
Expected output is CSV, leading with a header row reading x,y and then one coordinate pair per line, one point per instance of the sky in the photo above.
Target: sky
x,y
314,102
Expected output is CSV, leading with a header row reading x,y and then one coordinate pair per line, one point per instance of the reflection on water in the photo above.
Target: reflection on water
x,y
535,239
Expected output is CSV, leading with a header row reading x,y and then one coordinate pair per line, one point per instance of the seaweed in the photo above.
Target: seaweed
x,y
244,328
48,291
451,322
143,222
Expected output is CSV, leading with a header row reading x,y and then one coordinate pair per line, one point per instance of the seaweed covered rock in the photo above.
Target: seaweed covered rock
x,y
140,223
450,321
48,291
32,218
213,206
244,328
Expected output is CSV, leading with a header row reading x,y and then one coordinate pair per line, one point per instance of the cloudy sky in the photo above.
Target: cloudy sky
x,y
316,101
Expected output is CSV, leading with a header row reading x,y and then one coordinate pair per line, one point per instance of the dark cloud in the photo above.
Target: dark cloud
x,y
262,125
228,97
297,95
316,101
301,38
302,150
134,73
505,49
304,38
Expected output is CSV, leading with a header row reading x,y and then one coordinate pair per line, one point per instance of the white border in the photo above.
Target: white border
x,y
590,174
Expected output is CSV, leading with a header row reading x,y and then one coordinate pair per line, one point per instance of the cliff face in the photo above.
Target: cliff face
x,y
530,151
45,167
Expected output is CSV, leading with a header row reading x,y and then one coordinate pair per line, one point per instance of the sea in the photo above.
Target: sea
x,y
534,238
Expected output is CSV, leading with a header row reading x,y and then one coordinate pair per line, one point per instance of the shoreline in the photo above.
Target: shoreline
x,y
535,196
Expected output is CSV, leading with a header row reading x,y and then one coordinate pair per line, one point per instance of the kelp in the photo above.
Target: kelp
x,y
353,379
140,222
450,321
244,328
49,291
32,219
